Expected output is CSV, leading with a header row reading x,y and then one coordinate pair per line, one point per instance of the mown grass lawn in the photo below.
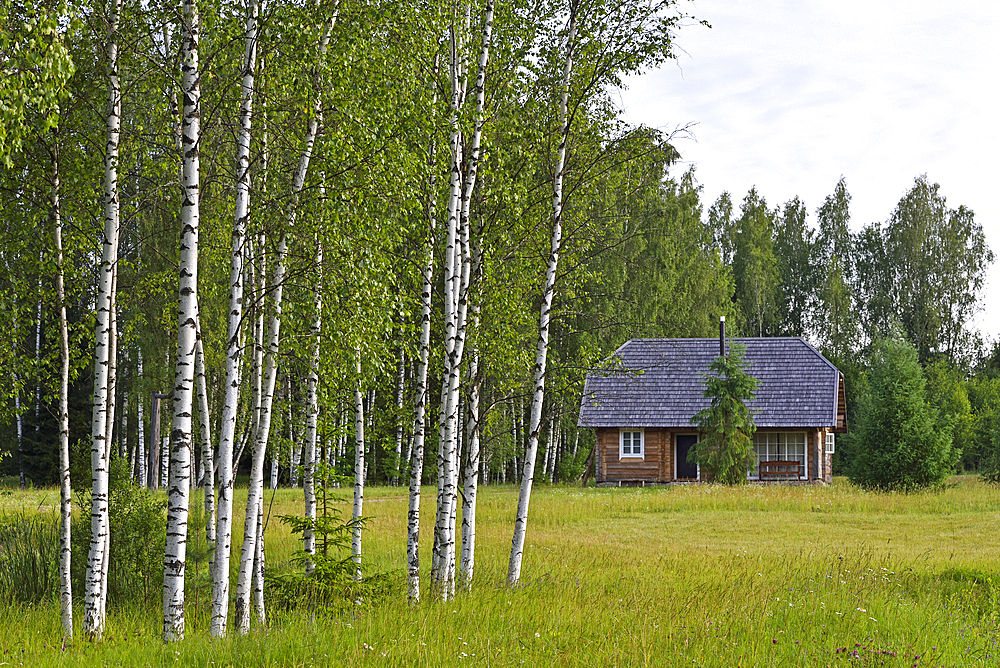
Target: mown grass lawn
x,y
682,576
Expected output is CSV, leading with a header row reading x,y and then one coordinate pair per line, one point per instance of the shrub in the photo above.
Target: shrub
x,y
138,536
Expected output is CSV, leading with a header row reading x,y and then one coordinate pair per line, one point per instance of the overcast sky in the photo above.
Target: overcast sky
x,y
790,95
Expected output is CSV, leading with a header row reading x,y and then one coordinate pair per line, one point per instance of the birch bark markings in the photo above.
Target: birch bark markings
x,y
204,423
538,397
261,435
65,490
471,475
359,469
400,380
227,433
178,495
420,407
312,416
93,619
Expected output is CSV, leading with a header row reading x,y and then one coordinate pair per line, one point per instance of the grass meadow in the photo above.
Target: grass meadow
x,y
679,576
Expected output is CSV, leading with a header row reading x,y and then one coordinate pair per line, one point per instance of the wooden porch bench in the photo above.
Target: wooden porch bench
x,y
778,469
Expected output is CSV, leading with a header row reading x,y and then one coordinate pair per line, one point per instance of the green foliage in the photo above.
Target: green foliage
x,y
946,391
900,442
725,451
984,398
198,556
794,245
938,258
29,553
35,66
755,267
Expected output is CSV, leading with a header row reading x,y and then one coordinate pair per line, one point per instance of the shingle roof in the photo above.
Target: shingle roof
x,y
658,383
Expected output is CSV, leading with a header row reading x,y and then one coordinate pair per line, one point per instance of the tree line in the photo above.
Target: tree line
x,y
351,243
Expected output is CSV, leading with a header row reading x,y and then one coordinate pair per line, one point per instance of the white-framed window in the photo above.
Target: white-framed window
x,y
830,443
779,447
631,443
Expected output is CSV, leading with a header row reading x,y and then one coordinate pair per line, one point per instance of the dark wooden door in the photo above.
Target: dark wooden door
x,y
685,469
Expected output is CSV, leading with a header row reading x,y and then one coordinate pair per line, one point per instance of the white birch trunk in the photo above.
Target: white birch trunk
x,y
420,407
234,349
471,472
93,620
256,489
65,490
258,569
164,459
359,469
471,475
312,416
125,446
538,397
38,361
207,453
258,279
445,449
141,428
20,424
400,379
181,450
458,271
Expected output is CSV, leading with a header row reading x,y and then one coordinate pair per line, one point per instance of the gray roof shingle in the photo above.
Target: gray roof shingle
x,y
658,383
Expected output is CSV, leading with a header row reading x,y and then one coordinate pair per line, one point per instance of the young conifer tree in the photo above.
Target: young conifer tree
x,y
725,452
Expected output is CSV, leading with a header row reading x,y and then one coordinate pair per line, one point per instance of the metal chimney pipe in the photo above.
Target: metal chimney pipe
x,y
722,336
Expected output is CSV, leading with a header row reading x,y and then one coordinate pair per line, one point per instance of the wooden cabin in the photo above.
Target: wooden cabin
x,y
641,402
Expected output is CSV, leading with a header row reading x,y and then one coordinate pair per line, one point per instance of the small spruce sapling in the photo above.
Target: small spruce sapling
x,y
725,451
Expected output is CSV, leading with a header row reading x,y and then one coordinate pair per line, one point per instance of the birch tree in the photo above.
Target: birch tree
x,y
312,415
359,469
420,390
457,279
204,423
94,602
538,396
181,449
599,44
227,433
65,489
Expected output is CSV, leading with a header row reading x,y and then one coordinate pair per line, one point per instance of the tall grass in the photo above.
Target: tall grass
x,y
29,551
695,575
